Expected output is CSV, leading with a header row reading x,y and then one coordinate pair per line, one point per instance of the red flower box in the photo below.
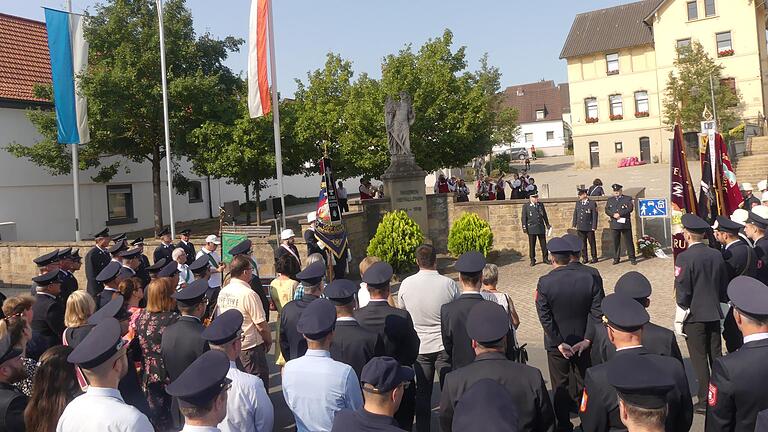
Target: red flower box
x,y
725,53
592,120
616,117
641,114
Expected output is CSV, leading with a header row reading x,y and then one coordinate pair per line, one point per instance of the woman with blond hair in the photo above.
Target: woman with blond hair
x,y
282,290
54,387
148,328
16,324
80,307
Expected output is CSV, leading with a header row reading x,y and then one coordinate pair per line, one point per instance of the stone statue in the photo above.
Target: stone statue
x,y
398,118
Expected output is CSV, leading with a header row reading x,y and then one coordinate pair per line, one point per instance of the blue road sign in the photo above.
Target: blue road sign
x,y
653,207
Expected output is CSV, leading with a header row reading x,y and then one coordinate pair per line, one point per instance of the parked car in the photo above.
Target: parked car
x,y
519,153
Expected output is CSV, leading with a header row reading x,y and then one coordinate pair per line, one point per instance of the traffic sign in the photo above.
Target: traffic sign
x,y
653,207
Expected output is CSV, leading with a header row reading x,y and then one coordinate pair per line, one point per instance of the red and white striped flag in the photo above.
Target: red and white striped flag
x,y
258,84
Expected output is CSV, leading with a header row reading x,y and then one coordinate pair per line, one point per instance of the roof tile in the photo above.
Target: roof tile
x,y
542,95
24,59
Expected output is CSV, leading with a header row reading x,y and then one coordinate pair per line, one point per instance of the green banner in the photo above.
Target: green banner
x,y
228,241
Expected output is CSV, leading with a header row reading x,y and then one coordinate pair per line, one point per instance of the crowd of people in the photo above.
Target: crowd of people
x,y
143,348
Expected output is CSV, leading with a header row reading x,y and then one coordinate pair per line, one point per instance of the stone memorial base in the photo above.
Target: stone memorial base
x,y
404,187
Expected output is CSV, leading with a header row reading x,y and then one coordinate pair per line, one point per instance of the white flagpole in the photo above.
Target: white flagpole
x,y
75,171
276,114
165,119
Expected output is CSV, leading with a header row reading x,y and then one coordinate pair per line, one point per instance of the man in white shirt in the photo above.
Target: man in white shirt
x,y
341,193
257,338
423,295
248,405
217,267
185,276
101,357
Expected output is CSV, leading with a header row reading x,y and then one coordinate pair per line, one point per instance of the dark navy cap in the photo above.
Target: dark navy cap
x,y
186,232
119,237
725,224
695,224
313,274
574,241
534,194
341,291
113,309
199,265
624,313
633,284
102,233
100,345
486,406
317,320
224,328
581,191
243,247
169,269
749,295
192,294
384,374
647,384
558,245
125,273
7,350
157,266
617,187
202,381
487,322
76,255
65,253
164,231
49,258
137,241
470,262
378,274
47,278
119,246
110,272
757,220
130,253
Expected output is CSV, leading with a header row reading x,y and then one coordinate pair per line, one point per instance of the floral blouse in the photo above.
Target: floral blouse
x,y
149,328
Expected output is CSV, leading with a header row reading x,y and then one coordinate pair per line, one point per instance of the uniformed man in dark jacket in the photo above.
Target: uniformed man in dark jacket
x,y
755,229
12,401
351,343
292,343
701,278
142,272
567,300
656,339
95,260
619,209
187,245
182,341
46,263
535,224
487,326
486,406
165,250
110,279
245,248
68,279
741,260
599,408
395,327
116,249
585,222
47,315
576,246
738,388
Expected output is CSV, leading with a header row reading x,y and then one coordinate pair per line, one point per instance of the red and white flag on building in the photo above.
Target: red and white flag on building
x,y
258,84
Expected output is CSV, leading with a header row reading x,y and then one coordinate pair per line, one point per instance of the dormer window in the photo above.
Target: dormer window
x,y
540,114
612,63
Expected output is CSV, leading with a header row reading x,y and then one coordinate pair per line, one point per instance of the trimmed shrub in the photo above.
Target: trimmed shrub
x,y
470,233
396,240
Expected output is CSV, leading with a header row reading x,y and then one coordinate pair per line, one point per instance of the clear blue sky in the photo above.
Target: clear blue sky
x,y
523,38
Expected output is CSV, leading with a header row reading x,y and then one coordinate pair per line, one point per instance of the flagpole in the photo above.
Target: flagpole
x,y
165,119
75,171
276,113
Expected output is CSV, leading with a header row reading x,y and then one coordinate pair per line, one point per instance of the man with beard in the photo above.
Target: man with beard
x,y
12,401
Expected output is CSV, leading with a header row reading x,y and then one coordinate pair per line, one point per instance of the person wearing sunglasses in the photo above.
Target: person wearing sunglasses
x,y
202,391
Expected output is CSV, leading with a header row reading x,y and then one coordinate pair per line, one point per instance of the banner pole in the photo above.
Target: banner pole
x,y
165,119
75,171
276,113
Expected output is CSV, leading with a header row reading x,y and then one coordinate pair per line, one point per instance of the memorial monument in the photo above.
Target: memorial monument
x,y
404,179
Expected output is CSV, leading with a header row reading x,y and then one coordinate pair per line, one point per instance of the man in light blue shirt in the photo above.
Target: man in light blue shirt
x,y
315,386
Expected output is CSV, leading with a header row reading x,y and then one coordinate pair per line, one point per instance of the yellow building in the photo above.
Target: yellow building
x,y
619,60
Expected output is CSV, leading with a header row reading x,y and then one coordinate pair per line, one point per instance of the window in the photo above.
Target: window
x,y
619,147
120,205
590,108
683,45
612,63
641,103
693,11
529,137
724,45
195,192
539,114
729,82
709,8
616,108
550,135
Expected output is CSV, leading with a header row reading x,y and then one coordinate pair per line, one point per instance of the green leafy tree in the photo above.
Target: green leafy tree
x,y
396,240
470,233
124,93
688,91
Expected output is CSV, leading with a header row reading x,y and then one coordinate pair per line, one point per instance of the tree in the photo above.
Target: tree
x,y
688,91
124,93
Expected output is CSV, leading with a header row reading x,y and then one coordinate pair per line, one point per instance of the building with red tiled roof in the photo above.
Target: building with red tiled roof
x,y
24,59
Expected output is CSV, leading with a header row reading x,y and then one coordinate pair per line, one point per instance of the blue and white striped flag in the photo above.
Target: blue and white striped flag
x,y
69,59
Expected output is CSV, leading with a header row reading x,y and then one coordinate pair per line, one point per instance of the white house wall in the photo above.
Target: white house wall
x,y
539,131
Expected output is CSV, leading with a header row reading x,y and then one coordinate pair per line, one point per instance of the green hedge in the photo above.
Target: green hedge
x,y
396,240
470,233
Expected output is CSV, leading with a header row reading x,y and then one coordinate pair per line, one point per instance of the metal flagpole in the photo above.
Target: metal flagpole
x,y
165,118
75,171
276,114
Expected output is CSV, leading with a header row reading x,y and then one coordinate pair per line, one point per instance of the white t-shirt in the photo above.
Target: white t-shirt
x,y
215,280
239,295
